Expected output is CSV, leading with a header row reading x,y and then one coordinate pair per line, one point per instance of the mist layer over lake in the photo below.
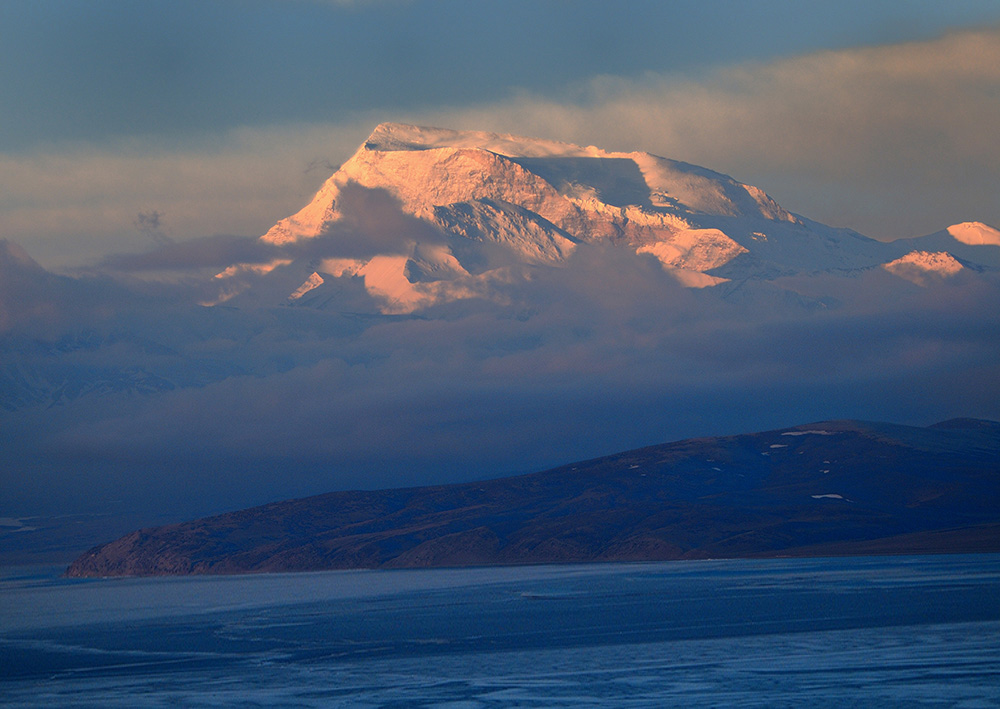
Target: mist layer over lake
x,y
905,631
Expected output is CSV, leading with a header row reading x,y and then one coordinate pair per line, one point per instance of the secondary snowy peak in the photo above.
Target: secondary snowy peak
x,y
973,242
975,233
921,266
312,283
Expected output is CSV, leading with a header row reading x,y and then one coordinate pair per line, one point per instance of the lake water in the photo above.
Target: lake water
x,y
904,631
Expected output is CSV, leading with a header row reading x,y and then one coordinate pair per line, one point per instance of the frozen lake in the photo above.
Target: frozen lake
x,y
904,631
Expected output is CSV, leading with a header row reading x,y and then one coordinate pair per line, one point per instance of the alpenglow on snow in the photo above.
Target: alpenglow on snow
x,y
464,207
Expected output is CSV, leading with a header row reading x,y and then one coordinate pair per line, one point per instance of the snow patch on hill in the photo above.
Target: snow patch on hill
x,y
314,281
695,249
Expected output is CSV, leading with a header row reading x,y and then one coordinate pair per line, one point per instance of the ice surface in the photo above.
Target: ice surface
x,y
907,631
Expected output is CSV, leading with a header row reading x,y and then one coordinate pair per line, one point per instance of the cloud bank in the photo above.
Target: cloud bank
x,y
893,141
174,408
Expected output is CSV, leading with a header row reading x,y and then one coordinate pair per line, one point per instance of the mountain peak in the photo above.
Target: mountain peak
x,y
12,255
975,233
920,266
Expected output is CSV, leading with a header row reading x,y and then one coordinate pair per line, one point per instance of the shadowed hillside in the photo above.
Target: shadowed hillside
x,y
831,488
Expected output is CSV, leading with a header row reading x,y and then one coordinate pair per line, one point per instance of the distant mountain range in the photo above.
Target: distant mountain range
x,y
829,488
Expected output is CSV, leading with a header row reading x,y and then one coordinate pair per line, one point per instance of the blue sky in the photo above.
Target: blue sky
x,y
97,70
224,116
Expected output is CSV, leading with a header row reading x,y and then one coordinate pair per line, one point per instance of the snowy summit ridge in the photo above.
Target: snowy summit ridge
x,y
538,200
576,189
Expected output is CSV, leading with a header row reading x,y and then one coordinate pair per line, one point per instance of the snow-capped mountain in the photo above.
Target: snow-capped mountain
x,y
919,266
535,201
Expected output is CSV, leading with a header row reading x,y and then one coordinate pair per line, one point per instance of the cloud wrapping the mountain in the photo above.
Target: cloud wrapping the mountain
x,y
371,223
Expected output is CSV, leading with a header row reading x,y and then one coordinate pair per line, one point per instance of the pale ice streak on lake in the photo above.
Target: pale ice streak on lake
x,y
906,631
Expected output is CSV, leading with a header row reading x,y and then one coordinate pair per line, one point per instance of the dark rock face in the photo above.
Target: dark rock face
x,y
832,488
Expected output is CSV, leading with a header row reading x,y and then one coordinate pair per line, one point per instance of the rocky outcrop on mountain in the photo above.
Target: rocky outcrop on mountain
x,y
830,488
